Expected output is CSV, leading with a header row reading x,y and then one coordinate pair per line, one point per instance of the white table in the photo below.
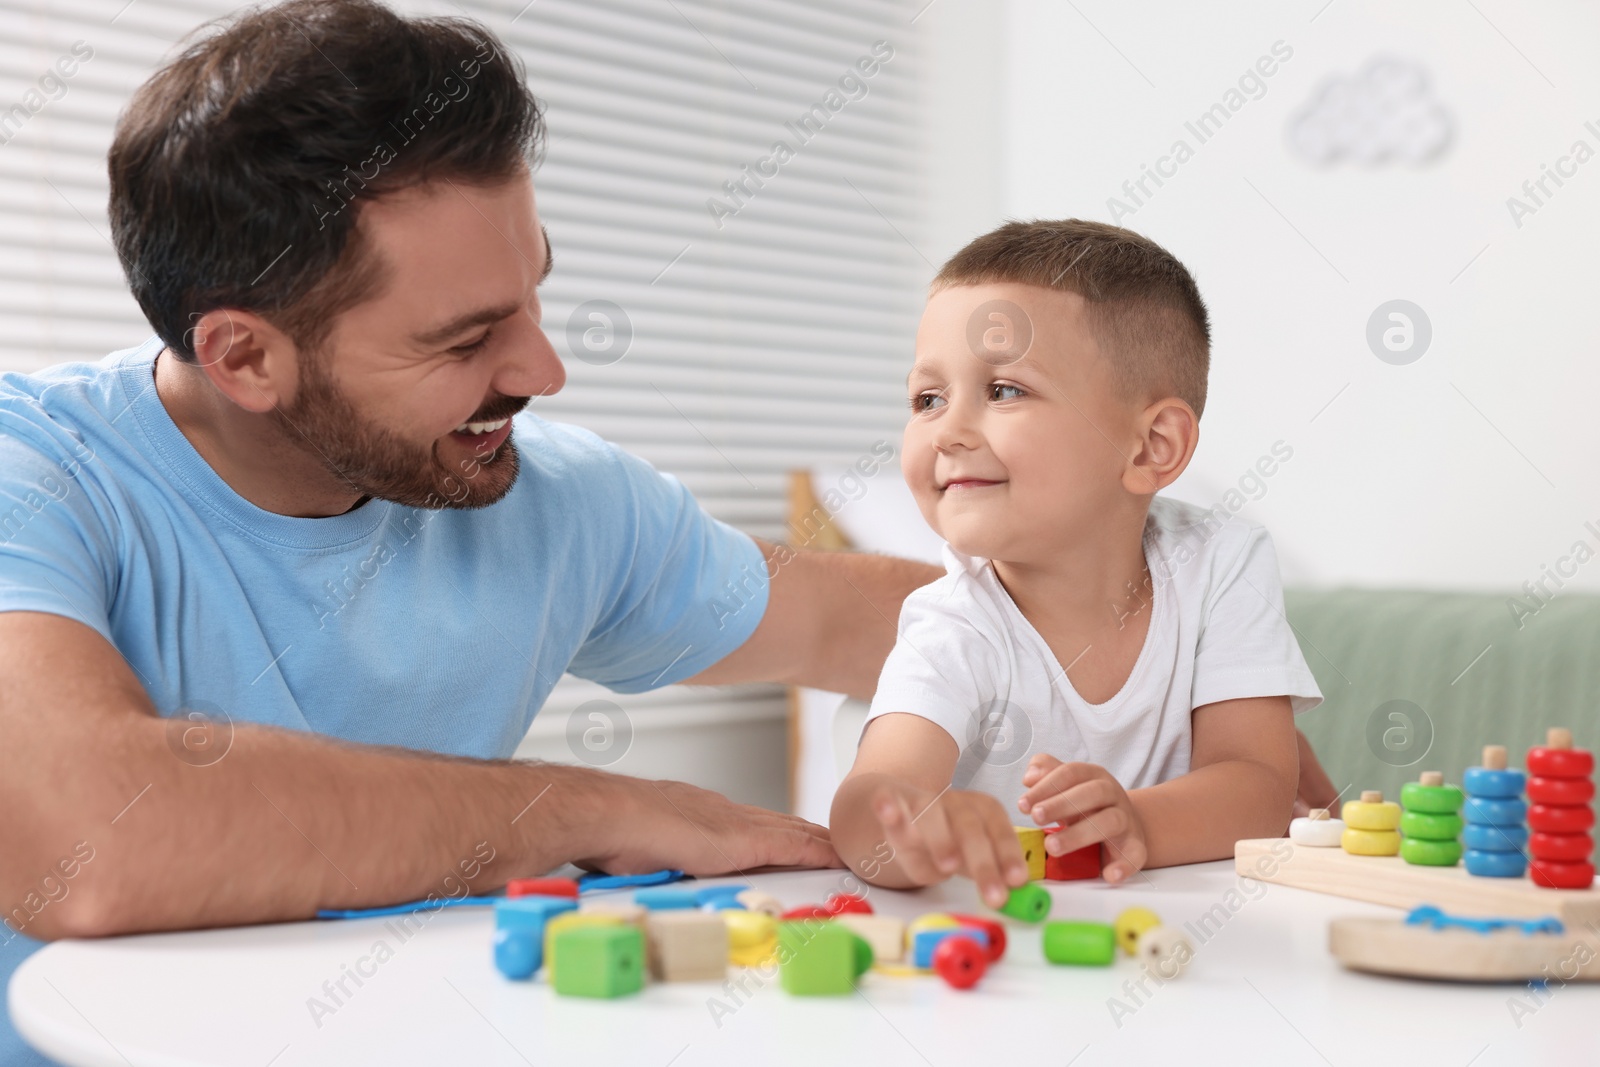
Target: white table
x,y
1262,989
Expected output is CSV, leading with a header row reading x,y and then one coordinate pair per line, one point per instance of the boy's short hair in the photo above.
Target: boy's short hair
x,y
1143,307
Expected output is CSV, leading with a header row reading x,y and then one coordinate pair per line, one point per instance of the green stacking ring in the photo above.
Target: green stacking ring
x,y
1430,853
1030,903
1430,827
1080,943
1431,799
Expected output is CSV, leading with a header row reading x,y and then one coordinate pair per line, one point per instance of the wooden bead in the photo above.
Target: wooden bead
x,y
1165,951
1431,799
853,903
1131,924
1370,842
1429,853
996,933
756,900
1494,811
1031,838
1563,848
1430,827
1566,791
1553,875
517,953
1560,819
1029,903
1374,815
1493,782
1560,762
1485,864
752,937
1316,833
807,911
933,920
926,943
1494,838
960,960
1081,944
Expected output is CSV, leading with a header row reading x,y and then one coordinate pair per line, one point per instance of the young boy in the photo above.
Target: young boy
x,y
1096,656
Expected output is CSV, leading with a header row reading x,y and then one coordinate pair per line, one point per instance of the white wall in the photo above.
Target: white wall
x,y
1471,467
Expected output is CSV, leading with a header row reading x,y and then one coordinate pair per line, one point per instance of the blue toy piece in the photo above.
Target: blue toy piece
x,y
518,953
1429,915
664,899
1483,782
1491,864
1495,838
1494,811
708,894
530,913
722,904
926,941
596,880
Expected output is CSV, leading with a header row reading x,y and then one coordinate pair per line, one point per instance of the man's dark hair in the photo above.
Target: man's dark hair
x,y
237,169
1143,306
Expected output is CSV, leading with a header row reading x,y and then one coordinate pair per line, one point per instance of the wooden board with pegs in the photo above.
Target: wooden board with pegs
x,y
1392,881
1393,947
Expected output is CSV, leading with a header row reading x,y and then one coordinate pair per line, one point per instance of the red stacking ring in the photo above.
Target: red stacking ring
x,y
1563,848
1560,762
1561,875
1565,791
1556,819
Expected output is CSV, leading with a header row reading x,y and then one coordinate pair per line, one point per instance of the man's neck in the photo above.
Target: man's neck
x,y
248,451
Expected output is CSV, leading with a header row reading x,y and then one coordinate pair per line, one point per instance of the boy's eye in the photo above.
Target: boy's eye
x,y
999,390
926,401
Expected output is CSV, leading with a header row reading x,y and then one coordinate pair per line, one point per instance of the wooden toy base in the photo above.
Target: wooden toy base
x,y
1391,880
1389,946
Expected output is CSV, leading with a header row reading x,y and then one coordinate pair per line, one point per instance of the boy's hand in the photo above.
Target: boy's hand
x,y
952,832
1091,805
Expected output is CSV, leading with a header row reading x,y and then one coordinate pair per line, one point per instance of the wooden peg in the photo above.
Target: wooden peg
x,y
1372,796
1558,737
1432,778
1317,814
1494,757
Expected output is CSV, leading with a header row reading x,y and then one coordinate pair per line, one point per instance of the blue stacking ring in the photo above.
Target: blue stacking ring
x,y
1487,838
1494,811
1482,782
1487,864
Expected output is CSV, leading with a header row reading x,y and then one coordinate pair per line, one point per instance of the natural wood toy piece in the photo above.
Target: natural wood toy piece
x,y
1390,880
1396,947
1430,829
1317,830
885,933
757,900
598,961
820,958
1031,838
1493,814
687,946
1165,951
1561,783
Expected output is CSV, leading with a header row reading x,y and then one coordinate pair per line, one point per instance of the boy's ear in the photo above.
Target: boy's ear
x,y
249,360
1169,430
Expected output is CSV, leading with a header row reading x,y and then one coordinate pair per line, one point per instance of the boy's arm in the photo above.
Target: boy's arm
x,y
1244,768
896,821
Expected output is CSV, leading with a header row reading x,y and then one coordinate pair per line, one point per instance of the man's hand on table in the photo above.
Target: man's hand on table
x,y
672,824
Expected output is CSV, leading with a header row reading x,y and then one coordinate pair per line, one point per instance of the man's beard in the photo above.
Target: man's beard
x,y
377,462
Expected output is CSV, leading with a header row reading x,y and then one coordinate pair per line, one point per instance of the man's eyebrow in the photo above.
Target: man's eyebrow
x,y
462,323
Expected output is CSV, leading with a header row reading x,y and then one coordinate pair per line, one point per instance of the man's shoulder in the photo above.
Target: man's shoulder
x,y
66,410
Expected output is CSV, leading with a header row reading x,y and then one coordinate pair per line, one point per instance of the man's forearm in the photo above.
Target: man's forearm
x,y
287,823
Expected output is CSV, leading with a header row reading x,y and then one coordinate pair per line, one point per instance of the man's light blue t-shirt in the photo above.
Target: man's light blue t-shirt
x,y
437,630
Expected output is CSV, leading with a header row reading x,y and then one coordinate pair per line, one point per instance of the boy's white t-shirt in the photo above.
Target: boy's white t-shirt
x,y
969,660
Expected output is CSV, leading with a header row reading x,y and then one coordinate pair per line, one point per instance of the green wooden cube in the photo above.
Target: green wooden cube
x,y
820,958
598,961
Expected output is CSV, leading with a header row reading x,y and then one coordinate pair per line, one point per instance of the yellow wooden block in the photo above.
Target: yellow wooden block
x,y
1371,812
885,933
752,937
1371,842
1031,838
934,920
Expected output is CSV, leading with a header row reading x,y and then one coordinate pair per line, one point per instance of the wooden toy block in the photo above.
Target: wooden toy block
x,y
820,958
1316,830
927,942
853,903
1082,944
995,931
1031,838
625,910
1074,866
885,933
1371,813
709,896
1390,880
1028,903
1131,924
960,959
752,937
573,920
604,960
666,898
530,913
933,920
1165,951
542,887
757,900
1395,947
687,946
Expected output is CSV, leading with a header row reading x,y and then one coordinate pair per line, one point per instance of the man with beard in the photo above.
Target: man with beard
x,y
282,589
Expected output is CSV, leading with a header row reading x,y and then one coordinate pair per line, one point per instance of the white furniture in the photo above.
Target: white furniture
x,y
1262,990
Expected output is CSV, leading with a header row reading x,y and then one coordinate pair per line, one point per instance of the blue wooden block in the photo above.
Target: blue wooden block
x,y
1488,838
723,904
923,945
663,898
1486,864
1494,811
1483,782
708,894
530,913
518,953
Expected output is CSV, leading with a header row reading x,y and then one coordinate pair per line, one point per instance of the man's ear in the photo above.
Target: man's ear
x,y
250,361
1169,430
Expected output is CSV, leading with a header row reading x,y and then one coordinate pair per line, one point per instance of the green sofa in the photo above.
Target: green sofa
x,y
1418,681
